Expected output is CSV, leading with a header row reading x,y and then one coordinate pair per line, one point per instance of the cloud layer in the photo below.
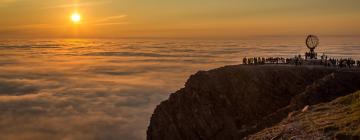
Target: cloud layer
x,y
107,89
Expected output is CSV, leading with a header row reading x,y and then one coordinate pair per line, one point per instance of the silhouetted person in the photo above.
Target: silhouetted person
x,y
353,63
342,63
263,60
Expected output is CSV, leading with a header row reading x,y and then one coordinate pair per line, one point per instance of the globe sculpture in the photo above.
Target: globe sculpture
x,y
312,42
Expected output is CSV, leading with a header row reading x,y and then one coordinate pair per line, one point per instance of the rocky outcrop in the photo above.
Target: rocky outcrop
x,y
235,101
338,119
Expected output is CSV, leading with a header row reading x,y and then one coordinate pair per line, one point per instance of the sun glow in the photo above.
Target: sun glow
x,y
75,17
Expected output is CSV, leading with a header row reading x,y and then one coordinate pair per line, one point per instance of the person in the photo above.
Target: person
x,y
349,62
353,62
297,61
336,61
342,63
263,60
244,61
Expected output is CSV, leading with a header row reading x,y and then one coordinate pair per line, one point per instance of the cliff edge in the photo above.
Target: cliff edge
x,y
234,102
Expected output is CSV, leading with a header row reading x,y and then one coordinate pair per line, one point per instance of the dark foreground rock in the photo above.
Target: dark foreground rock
x,y
235,101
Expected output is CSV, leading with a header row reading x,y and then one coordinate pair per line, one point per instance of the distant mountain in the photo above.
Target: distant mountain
x,y
236,102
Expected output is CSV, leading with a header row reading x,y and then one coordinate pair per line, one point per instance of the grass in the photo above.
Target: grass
x,y
339,119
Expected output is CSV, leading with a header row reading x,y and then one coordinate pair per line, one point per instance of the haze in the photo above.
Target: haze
x,y
178,18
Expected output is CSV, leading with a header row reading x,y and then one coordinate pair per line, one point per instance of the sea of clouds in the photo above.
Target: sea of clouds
x,y
107,89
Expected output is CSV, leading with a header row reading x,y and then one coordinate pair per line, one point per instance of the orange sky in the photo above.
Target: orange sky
x,y
178,18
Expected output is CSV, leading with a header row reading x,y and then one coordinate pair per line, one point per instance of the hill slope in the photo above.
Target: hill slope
x,y
339,119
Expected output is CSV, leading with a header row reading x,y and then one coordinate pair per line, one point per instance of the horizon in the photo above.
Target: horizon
x,y
187,38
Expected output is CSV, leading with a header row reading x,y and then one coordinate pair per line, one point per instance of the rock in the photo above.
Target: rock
x,y
233,102
305,109
338,119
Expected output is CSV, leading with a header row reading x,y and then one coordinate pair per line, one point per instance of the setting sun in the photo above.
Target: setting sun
x,y
75,17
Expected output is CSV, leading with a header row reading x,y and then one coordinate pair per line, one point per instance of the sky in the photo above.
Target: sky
x,y
178,18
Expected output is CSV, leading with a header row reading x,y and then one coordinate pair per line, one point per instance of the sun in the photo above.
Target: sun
x,y
75,17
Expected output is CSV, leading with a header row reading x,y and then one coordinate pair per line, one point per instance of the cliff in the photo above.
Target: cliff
x,y
235,101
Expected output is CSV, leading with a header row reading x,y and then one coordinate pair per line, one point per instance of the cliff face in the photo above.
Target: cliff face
x,y
235,101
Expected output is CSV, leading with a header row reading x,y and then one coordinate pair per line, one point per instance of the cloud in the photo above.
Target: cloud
x,y
16,88
4,3
148,54
111,20
111,23
80,110
77,5
49,93
7,1
89,89
34,26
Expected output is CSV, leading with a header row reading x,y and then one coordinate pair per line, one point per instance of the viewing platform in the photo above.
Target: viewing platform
x,y
310,58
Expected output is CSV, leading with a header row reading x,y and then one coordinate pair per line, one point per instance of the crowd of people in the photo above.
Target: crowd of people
x,y
349,62
263,60
298,60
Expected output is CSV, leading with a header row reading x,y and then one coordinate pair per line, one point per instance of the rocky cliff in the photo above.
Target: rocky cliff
x,y
235,101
